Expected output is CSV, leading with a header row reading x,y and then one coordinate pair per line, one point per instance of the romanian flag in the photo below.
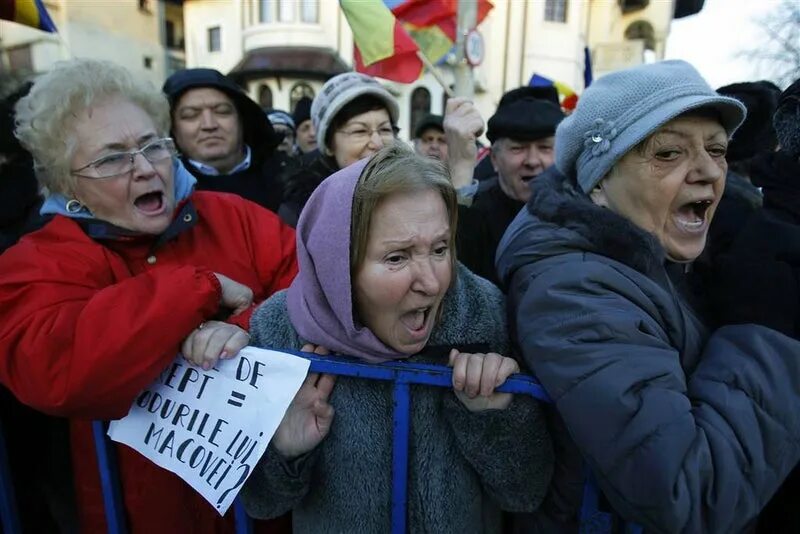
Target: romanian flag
x,y
382,47
568,97
28,12
432,23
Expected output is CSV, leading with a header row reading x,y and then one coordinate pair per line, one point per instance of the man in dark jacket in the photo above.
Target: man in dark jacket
x,y
521,132
225,138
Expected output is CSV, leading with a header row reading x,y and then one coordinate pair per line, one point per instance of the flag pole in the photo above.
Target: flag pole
x,y
436,74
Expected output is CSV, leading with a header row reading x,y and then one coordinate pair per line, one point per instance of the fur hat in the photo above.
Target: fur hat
x,y
756,133
526,114
787,120
340,91
620,110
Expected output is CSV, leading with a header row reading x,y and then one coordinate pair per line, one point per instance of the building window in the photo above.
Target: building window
x,y
265,96
420,106
214,39
641,29
299,90
286,10
265,11
555,10
20,59
172,41
309,11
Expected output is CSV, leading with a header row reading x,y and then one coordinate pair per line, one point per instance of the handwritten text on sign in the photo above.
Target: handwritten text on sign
x,y
211,427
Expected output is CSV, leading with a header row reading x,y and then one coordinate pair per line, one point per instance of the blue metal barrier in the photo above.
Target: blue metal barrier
x,y
401,373
9,518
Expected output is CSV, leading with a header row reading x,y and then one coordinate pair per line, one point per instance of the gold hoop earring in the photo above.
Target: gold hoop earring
x,y
74,206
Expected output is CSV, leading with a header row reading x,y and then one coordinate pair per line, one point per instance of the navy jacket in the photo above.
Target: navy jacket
x,y
685,431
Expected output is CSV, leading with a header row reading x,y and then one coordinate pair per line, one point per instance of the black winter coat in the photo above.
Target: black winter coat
x,y
758,280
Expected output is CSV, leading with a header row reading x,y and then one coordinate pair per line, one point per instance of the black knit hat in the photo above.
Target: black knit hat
x,y
302,110
787,120
756,133
526,114
258,132
429,121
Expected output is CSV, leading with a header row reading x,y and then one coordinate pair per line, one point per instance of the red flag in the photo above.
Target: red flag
x,y
442,13
382,47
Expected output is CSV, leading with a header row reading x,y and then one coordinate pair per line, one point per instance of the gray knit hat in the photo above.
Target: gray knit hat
x,y
621,109
343,89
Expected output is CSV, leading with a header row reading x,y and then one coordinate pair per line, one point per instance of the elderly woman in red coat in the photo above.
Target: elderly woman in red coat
x,y
133,268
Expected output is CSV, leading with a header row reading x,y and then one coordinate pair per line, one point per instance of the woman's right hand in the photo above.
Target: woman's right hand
x,y
309,417
235,296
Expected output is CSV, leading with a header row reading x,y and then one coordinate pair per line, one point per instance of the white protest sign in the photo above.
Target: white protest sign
x,y
211,427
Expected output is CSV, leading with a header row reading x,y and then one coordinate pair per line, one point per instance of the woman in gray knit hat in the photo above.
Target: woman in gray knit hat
x,y
686,430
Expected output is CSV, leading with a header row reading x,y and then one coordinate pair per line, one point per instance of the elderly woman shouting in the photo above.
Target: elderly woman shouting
x,y
379,280
685,431
133,268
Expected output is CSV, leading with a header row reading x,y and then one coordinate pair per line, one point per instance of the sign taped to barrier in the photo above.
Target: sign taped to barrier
x,y
211,427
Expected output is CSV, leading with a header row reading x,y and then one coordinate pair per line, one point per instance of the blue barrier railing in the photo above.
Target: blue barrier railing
x,y
401,373
9,518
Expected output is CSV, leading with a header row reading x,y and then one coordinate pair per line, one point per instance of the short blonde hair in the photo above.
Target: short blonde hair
x,y
44,117
397,169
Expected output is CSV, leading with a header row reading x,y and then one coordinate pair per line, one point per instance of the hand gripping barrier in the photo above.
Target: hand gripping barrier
x,y
402,374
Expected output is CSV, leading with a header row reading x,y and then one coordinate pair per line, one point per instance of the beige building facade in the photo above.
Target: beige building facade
x,y
281,50
247,38
146,36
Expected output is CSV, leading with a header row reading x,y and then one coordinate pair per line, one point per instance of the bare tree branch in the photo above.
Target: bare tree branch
x,y
780,50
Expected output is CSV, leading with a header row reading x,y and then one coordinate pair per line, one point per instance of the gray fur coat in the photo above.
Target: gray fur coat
x,y
464,467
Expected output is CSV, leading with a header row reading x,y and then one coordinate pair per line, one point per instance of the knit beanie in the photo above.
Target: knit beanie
x,y
302,111
756,134
787,120
620,110
343,89
278,116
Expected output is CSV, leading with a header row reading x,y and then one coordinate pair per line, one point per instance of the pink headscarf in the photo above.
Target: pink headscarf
x,y
320,299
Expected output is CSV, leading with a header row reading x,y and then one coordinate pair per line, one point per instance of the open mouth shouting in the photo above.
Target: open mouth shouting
x,y
418,322
694,217
151,204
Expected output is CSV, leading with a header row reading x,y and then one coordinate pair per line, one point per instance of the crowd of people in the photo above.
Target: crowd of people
x,y
639,255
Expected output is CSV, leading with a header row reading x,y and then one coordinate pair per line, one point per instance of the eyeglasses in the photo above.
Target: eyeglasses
x,y
120,163
361,134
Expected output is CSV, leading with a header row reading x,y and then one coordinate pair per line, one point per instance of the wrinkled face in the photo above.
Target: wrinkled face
x,y
287,145
517,163
362,136
672,186
306,136
207,128
406,271
432,143
142,200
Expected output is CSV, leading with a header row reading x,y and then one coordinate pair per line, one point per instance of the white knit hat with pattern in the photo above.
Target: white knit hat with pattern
x,y
340,91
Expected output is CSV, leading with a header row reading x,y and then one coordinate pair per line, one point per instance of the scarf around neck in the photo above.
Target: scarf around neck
x,y
320,301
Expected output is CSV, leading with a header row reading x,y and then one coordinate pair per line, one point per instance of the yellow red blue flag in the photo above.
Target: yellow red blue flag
x,y
28,12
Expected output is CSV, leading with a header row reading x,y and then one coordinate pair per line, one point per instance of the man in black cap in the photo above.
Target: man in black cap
x,y
225,139
522,135
429,139
305,132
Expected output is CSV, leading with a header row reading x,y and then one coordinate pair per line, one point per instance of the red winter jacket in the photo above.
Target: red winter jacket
x,y
85,325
